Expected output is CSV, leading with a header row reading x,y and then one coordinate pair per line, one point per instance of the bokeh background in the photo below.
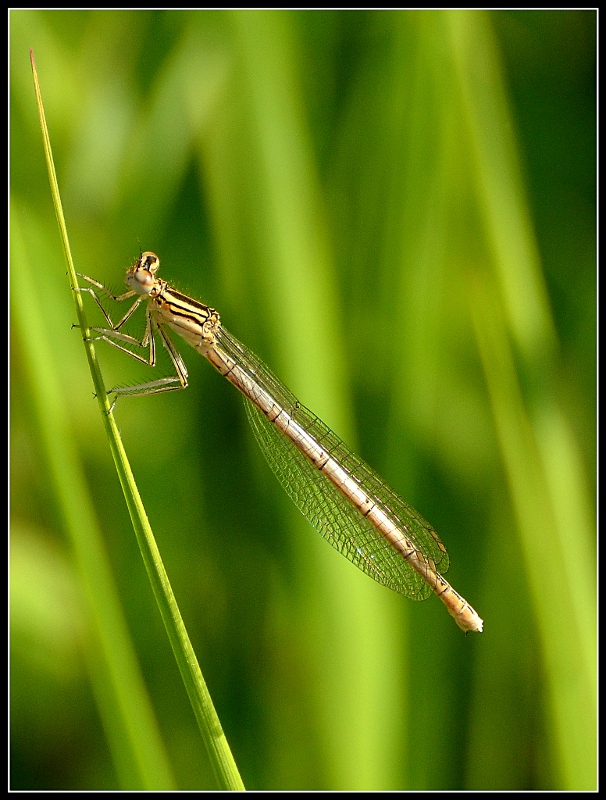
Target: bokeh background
x,y
396,210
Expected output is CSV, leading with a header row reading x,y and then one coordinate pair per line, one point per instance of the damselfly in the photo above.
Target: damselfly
x,y
340,495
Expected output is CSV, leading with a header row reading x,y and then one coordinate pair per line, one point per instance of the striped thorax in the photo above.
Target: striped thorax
x,y
195,322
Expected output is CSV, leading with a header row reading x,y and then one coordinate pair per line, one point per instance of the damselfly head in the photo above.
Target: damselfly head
x,y
141,277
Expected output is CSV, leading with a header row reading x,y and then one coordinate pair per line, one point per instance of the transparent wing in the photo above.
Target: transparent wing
x,y
323,505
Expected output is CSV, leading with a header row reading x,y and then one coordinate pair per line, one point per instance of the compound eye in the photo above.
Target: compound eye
x,y
149,261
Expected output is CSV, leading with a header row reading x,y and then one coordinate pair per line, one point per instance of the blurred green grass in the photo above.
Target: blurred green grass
x,y
397,211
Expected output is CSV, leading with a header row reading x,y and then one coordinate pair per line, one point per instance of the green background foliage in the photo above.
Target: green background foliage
x,y
396,210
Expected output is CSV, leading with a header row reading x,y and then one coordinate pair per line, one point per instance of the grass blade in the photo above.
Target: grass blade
x,y
222,760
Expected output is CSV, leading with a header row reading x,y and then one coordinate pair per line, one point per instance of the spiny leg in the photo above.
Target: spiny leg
x,y
111,334
178,381
118,298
